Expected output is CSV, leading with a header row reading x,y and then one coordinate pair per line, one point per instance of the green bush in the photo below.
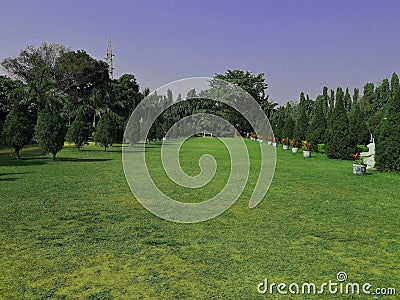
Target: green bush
x,y
362,148
321,148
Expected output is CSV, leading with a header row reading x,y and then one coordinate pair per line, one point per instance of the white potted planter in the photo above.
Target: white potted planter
x,y
359,169
285,147
274,144
307,153
269,142
294,150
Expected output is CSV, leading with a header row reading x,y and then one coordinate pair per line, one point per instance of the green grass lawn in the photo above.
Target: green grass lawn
x,y
71,229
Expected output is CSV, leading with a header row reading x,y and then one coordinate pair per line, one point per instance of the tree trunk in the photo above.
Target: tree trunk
x,y
105,148
17,154
54,155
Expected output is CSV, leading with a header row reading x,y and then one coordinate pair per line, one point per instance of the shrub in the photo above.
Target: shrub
x,y
362,148
321,148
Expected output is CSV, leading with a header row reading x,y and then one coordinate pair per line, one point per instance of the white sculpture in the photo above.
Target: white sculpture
x,y
369,157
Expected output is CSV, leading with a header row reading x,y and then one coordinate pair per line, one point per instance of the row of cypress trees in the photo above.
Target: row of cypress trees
x,y
342,122
51,131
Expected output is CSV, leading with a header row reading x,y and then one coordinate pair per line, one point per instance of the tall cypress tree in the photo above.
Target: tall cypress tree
x,y
329,115
347,100
359,132
325,100
339,143
368,99
356,95
106,131
50,131
317,128
388,139
301,126
18,130
80,131
287,131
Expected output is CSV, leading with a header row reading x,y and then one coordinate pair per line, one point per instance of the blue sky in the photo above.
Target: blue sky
x,y
300,45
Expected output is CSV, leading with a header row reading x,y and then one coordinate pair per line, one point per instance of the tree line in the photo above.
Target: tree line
x,y
55,94
341,121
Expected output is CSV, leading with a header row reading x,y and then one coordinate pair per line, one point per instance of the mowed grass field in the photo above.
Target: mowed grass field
x,y
71,229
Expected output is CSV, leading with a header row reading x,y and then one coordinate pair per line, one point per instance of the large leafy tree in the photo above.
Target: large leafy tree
x,y
388,140
28,66
18,130
35,66
78,75
255,85
339,143
50,130
125,95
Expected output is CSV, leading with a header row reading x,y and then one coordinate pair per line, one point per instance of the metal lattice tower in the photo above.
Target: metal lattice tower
x,y
109,59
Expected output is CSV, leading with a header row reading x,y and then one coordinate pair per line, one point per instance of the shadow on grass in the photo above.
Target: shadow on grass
x,y
31,161
71,159
9,179
12,178
101,150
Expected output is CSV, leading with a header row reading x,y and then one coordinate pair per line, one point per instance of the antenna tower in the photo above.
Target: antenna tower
x,y
109,59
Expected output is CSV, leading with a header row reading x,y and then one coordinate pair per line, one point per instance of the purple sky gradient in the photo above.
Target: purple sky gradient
x,y
300,45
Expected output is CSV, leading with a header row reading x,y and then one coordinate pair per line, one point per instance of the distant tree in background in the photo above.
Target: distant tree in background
x,y
339,143
18,130
50,131
255,85
29,65
79,131
388,139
